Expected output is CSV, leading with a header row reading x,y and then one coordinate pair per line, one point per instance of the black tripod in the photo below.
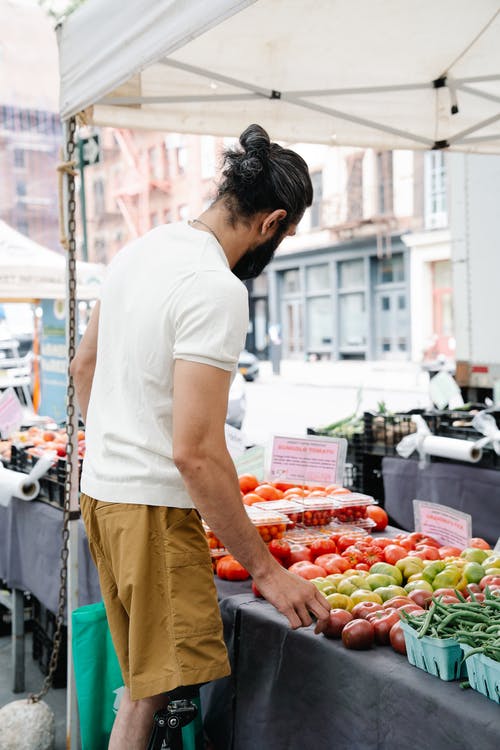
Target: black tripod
x,y
168,723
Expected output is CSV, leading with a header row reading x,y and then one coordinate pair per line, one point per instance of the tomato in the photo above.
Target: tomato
x,y
250,498
286,486
299,552
397,638
396,602
331,563
362,566
477,598
229,569
337,620
346,540
268,492
414,608
382,626
421,597
408,544
449,552
415,536
324,546
353,555
446,592
280,549
294,492
362,609
489,581
393,553
371,552
428,552
430,541
479,543
358,634
307,570
248,482
377,514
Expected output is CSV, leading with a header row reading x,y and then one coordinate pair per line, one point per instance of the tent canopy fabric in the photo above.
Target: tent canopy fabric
x,y
369,73
29,271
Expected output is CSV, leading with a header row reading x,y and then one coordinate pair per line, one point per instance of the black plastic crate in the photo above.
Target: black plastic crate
x,y
52,484
383,432
44,628
458,425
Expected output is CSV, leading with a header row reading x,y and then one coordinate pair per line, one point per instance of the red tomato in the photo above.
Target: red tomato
x,y
363,609
397,638
382,627
477,598
345,541
490,581
280,549
430,541
298,552
394,552
372,553
358,634
230,569
421,597
446,592
331,563
353,555
377,514
449,552
362,566
336,622
396,602
307,570
411,608
429,552
408,544
480,543
324,546
415,536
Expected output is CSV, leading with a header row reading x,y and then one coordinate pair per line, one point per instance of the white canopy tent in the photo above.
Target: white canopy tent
x,y
371,73
29,271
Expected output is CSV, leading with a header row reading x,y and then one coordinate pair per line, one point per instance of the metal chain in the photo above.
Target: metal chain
x,y
70,413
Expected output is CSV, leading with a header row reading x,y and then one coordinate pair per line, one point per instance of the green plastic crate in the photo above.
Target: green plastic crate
x,y
441,657
483,674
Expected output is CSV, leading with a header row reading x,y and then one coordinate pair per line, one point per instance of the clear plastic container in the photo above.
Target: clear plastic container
x,y
351,507
269,524
317,511
305,536
289,508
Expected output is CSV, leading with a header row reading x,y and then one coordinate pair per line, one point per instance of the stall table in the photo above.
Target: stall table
x,y
289,689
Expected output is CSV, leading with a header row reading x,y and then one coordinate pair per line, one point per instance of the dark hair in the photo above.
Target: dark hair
x,y
264,176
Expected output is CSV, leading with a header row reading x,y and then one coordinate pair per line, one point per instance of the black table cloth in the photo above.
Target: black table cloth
x,y
470,489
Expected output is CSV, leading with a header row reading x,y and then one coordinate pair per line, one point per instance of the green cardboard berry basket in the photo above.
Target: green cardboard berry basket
x,y
483,674
441,657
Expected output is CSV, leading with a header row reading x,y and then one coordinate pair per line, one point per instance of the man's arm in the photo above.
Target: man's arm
x,y
201,455
83,364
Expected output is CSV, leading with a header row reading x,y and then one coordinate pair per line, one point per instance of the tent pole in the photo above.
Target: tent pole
x,y
72,723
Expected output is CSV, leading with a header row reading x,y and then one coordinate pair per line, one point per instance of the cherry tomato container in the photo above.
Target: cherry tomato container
x,y
441,657
269,524
305,536
351,507
316,511
289,508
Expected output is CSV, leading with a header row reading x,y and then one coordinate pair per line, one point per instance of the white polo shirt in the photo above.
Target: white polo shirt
x,y
168,295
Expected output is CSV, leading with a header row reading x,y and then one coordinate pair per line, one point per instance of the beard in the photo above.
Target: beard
x,y
253,262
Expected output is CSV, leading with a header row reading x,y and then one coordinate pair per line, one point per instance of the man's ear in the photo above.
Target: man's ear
x,y
272,220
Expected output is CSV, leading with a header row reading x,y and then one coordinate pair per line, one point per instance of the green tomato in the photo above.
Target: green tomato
x,y
432,569
473,554
447,579
378,580
361,595
340,601
388,570
418,585
389,592
493,561
473,572
346,587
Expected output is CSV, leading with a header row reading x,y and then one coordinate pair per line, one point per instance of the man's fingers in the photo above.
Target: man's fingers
x,y
305,617
293,618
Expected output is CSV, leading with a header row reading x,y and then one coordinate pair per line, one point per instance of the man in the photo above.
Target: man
x,y
152,376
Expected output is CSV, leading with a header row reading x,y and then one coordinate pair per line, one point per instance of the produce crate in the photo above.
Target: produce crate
x,y
383,432
51,484
44,628
483,674
441,657
458,424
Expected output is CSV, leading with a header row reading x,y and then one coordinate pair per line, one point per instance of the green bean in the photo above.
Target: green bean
x,y
427,621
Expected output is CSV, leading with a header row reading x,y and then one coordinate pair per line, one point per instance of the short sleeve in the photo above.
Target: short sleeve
x,y
212,320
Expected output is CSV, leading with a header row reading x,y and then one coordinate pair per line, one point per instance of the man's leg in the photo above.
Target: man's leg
x,y
134,721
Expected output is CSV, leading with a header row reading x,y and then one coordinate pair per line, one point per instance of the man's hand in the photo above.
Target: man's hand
x,y
294,597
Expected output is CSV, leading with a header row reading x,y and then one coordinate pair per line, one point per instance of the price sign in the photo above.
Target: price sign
x,y
448,526
312,460
11,413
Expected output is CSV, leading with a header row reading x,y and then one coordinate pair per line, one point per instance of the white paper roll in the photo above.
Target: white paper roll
x,y
460,450
15,484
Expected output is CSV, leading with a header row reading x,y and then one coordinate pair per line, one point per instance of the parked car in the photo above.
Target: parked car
x,y
248,365
237,402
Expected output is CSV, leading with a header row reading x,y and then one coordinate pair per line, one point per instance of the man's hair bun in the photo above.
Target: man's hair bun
x,y
256,143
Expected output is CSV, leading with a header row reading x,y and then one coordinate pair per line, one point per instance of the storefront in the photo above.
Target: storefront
x,y
343,302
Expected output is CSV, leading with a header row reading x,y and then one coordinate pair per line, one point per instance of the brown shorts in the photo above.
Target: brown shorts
x,y
158,589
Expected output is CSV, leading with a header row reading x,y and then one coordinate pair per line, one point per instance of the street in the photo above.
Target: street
x,y
317,393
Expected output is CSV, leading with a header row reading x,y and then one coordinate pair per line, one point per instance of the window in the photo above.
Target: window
x,y
384,182
435,190
352,320
320,323
401,302
386,303
318,278
207,156
19,160
390,270
351,273
291,281
315,210
99,201
354,187
182,159
22,226
21,188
